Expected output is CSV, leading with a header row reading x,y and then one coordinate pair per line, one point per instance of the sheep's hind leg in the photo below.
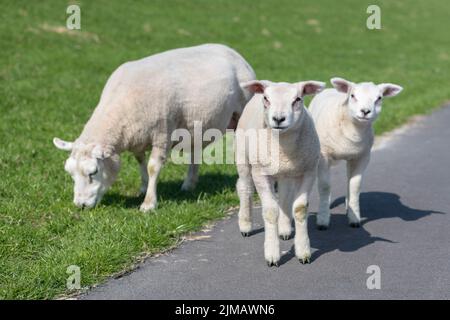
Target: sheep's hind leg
x,y
140,158
155,163
190,182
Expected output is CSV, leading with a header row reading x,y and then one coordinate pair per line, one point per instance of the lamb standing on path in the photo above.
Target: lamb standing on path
x,y
343,117
293,153
143,102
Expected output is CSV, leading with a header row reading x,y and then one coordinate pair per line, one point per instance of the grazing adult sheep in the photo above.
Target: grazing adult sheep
x,y
143,102
343,117
286,131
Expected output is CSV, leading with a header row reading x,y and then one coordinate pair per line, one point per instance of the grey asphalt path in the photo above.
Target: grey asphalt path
x,y
406,232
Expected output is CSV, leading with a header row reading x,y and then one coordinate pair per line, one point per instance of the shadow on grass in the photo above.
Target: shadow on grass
x,y
208,184
374,206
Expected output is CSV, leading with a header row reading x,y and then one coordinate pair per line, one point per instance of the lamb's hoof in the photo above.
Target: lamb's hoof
x,y
322,228
355,224
305,260
245,234
285,237
272,264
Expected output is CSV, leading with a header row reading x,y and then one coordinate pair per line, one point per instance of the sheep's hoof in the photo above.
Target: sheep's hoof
x,y
355,224
285,237
272,264
147,207
305,260
245,234
322,228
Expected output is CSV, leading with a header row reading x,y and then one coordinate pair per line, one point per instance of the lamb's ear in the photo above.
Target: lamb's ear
x,y
255,86
62,145
310,87
101,152
341,85
389,89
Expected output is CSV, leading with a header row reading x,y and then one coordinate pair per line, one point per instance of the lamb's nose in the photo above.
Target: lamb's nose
x,y
365,111
278,120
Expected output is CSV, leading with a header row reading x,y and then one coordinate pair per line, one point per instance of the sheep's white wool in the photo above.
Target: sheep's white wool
x,y
278,109
143,102
343,117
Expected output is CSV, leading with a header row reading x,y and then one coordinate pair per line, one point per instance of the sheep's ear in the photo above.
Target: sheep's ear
x,y
311,87
101,152
341,85
255,86
62,145
389,89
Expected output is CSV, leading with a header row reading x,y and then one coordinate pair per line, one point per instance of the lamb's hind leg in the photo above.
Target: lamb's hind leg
x,y
244,188
155,163
323,185
140,158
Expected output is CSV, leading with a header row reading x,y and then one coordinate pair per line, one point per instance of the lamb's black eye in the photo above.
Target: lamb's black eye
x,y
298,99
352,95
266,101
379,98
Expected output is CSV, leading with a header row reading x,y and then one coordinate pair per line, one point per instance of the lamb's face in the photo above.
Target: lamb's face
x,y
282,106
364,100
92,171
283,102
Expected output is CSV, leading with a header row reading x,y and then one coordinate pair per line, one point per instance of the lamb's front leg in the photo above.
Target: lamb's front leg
x,y
300,210
355,170
155,163
244,187
264,187
286,193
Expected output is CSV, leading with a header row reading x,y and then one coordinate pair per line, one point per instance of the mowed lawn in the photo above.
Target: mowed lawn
x,y
51,80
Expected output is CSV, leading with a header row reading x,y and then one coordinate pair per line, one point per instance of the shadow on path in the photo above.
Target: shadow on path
x,y
374,206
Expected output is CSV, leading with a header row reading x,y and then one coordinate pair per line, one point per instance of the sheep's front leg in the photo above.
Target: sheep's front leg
x,y
140,158
300,209
264,187
244,187
286,193
355,170
323,184
155,163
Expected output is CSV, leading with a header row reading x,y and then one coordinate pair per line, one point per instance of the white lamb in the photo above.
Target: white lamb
x,y
292,143
143,102
343,117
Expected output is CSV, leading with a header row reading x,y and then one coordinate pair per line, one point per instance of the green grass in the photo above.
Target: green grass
x,y
50,83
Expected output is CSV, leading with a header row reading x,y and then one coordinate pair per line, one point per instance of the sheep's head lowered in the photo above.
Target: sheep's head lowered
x,y
93,169
283,102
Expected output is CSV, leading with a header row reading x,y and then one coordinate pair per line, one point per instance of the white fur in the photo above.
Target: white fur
x,y
278,109
343,117
143,102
